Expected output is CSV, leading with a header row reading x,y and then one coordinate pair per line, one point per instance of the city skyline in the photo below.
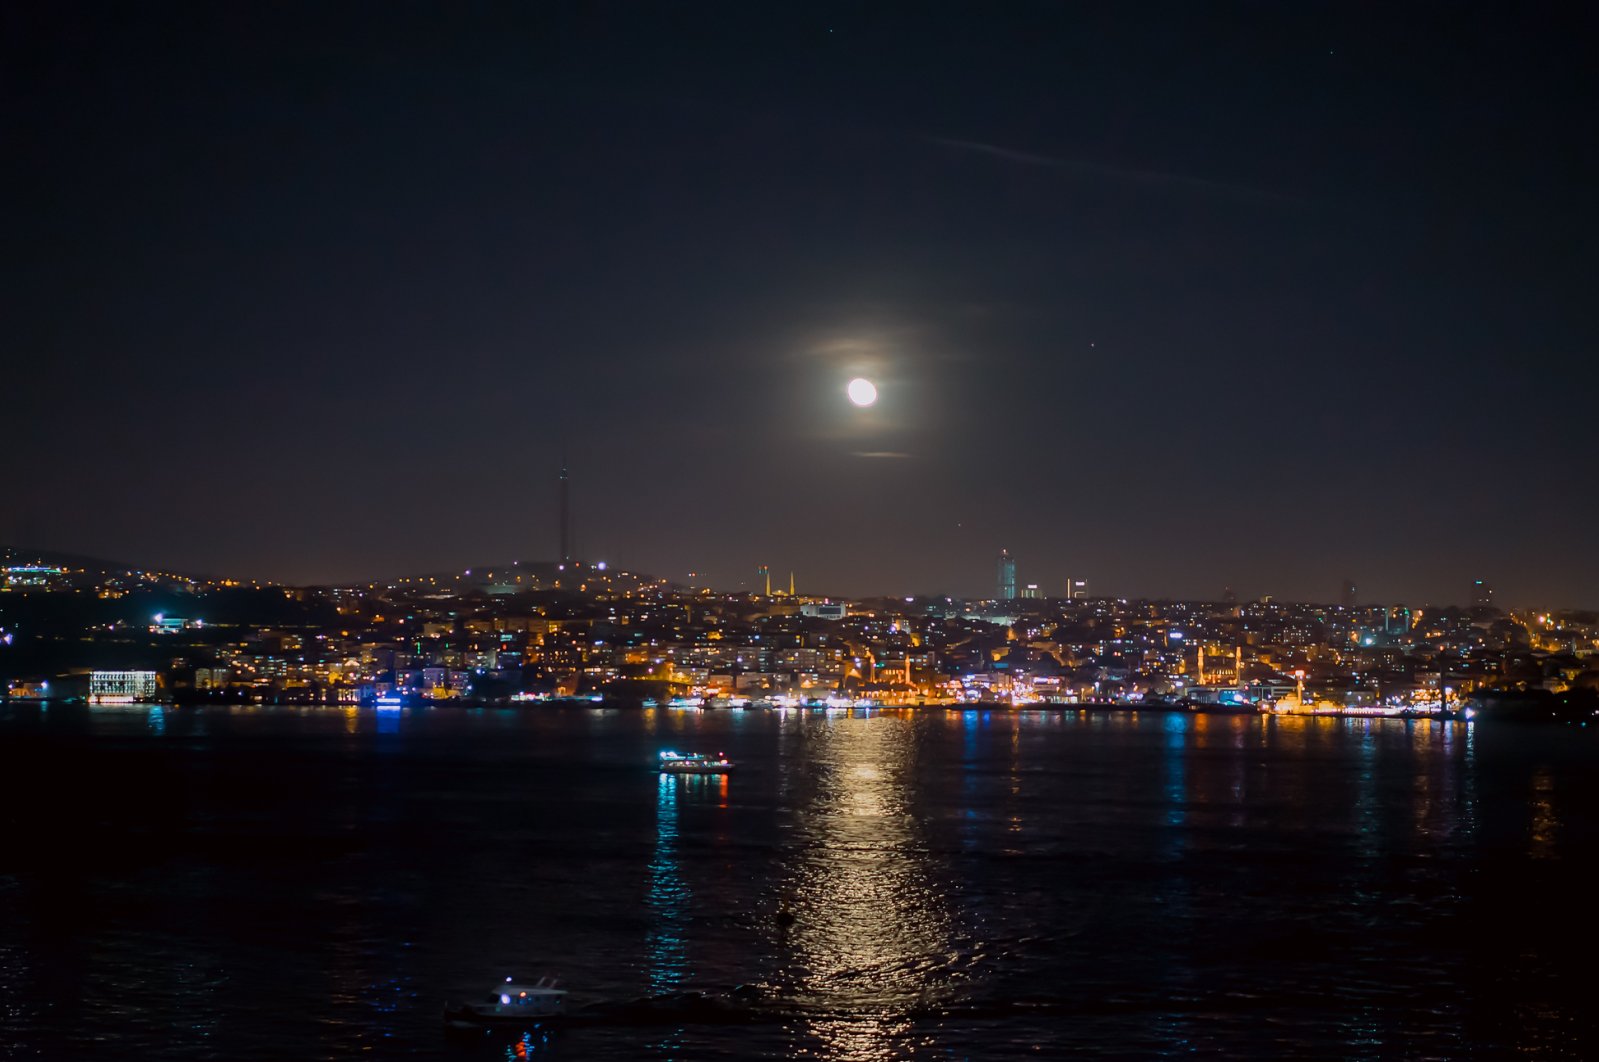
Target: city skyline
x,y
1472,593
1171,299
1008,586
553,632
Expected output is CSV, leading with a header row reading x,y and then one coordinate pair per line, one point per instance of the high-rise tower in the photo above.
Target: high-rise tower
x,y
1007,576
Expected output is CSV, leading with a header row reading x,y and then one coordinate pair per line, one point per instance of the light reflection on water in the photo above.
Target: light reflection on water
x,y
670,906
962,884
1173,1028
1368,827
669,896
1545,819
1175,761
971,719
872,933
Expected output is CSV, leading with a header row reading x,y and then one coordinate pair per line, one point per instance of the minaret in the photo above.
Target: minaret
x,y
790,584
566,516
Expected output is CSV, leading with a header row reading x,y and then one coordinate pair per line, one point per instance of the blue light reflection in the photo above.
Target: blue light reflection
x,y
669,896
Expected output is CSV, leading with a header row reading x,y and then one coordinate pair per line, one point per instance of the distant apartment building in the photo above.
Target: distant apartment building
x,y
212,678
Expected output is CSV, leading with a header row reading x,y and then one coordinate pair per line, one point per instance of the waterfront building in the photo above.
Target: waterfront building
x,y
121,687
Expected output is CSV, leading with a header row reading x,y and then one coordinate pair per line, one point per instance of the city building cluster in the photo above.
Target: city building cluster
x,y
530,633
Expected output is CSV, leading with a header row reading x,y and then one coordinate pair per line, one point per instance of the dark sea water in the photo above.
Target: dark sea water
x,y
285,884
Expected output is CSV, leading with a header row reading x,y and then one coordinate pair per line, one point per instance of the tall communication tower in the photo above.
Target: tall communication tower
x,y
566,515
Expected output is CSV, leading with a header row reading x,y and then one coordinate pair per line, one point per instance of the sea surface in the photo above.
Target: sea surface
x,y
288,884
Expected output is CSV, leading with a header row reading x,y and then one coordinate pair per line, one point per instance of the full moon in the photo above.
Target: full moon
x,y
862,391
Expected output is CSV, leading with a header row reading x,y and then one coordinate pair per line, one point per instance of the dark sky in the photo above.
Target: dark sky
x,y
1170,297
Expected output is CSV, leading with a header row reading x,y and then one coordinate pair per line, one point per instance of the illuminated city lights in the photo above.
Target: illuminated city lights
x,y
619,637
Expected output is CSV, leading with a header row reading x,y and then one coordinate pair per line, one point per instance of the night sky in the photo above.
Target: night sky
x,y
1171,298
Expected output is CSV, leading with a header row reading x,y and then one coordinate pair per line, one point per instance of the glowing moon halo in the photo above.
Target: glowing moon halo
x,y
861,391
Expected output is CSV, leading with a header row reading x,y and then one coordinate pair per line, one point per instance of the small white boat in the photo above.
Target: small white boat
x,y
694,763
510,1002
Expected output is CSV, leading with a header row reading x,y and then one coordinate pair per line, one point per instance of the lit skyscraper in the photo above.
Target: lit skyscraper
x,y
1007,576
1482,594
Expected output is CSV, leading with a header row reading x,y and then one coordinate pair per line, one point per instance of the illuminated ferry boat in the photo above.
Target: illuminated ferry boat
x,y
694,763
510,1003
